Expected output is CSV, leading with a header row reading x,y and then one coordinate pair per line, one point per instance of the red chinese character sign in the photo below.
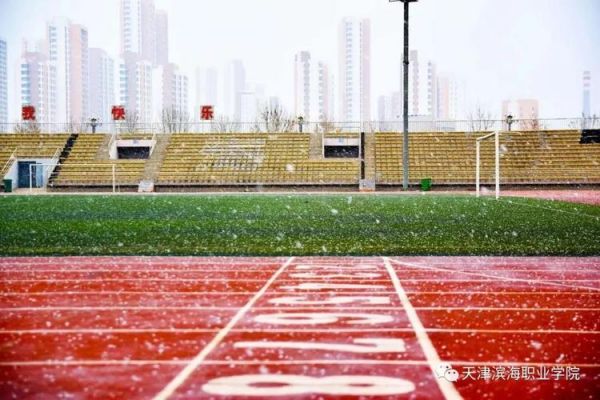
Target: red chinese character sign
x,y
206,113
28,113
118,113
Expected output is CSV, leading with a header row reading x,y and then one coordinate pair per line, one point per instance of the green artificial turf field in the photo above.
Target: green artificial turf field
x,y
258,224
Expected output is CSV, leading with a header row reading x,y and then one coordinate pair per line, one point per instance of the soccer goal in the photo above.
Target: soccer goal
x,y
496,136
47,169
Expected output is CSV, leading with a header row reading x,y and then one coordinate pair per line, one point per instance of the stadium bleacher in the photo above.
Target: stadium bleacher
x,y
545,157
29,145
87,164
242,159
238,159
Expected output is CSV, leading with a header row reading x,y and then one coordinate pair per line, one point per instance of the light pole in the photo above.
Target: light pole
x,y
405,95
509,121
94,123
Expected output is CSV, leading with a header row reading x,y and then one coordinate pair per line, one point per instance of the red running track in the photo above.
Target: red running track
x,y
306,327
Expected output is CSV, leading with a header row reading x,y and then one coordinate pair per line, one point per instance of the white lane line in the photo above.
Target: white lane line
x,y
528,309
321,292
68,363
212,270
209,308
287,307
126,292
316,278
433,359
500,278
190,280
532,293
101,331
180,378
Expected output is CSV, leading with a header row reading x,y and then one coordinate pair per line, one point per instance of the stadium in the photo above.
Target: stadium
x,y
297,258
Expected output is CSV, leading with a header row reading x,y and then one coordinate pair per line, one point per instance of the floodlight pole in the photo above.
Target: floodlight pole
x,y
405,94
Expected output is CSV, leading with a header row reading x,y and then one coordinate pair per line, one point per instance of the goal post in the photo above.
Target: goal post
x,y
49,167
496,135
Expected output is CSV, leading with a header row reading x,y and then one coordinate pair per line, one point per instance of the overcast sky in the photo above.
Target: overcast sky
x,y
501,49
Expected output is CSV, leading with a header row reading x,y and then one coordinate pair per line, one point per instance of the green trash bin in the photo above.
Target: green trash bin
x,y
426,184
7,185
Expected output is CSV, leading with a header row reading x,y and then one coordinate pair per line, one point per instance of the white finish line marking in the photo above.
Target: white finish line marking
x,y
433,359
180,378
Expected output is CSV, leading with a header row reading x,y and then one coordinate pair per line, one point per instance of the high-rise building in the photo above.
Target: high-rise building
x,y
355,70
144,31
450,99
170,88
80,74
302,85
422,86
249,108
521,108
135,93
273,102
68,52
102,84
524,111
144,45
234,84
137,28
3,83
207,90
389,110
253,101
587,83
326,94
161,21
312,88
38,84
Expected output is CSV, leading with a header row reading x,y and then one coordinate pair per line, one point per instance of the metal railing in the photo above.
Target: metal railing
x,y
416,124
8,163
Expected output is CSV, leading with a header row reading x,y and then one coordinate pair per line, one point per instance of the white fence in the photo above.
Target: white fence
x,y
416,124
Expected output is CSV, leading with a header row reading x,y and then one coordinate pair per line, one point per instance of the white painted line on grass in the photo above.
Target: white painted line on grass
x,y
579,214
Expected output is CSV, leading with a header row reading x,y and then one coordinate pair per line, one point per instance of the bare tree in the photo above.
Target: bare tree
x,y
532,124
480,120
174,120
28,127
131,121
223,124
590,122
274,119
325,125
76,127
